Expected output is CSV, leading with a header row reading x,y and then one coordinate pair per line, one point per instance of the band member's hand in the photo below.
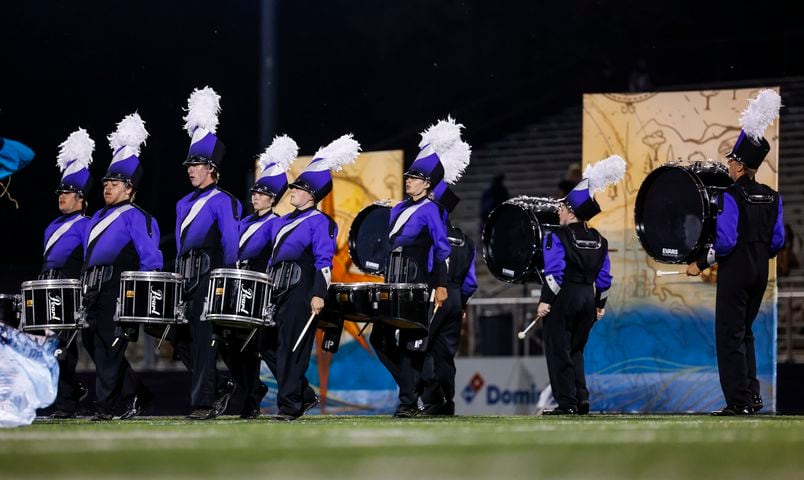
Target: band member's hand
x,y
543,309
440,296
693,270
316,305
600,313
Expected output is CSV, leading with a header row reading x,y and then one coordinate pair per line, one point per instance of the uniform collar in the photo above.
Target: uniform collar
x,y
298,213
199,191
66,216
116,205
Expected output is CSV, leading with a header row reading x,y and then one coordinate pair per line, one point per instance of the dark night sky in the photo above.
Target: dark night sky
x,y
381,69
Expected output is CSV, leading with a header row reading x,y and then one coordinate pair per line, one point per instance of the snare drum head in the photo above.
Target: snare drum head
x,y
512,239
672,212
368,239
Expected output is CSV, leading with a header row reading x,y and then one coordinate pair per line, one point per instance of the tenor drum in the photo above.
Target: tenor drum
x,y
512,238
51,305
238,298
403,305
10,310
676,209
350,301
150,298
368,239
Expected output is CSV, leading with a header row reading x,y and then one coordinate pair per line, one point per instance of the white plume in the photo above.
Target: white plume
x,y
442,136
78,146
340,152
607,171
283,151
761,112
455,160
203,108
130,133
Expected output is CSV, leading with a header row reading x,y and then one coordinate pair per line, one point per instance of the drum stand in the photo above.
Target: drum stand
x,y
60,352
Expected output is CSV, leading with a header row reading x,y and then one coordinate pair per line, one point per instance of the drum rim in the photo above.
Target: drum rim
x,y
353,242
639,226
405,285
353,286
239,274
532,267
11,296
52,326
68,283
149,320
139,275
212,317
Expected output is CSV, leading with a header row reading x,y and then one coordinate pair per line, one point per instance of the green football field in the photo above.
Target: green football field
x,y
605,447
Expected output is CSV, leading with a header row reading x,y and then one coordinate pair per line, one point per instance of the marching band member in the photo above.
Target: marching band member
x,y
749,232
64,252
301,269
419,252
120,237
577,281
254,253
438,372
206,238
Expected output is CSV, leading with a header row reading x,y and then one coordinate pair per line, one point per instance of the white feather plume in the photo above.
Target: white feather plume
x,y
455,160
283,151
605,172
79,147
442,136
130,132
203,108
761,112
340,152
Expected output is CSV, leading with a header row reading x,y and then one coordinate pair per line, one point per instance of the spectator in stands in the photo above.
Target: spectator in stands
x,y
494,195
570,180
788,255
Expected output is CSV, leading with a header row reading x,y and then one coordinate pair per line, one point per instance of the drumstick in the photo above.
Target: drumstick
x,y
521,335
250,336
662,273
306,327
360,333
162,339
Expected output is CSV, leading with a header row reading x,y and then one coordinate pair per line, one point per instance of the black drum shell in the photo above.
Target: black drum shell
x,y
149,297
51,305
675,210
237,298
404,305
9,310
349,301
368,239
512,239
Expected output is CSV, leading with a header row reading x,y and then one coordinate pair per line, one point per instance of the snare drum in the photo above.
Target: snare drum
x,y
403,305
51,304
238,298
150,297
10,310
350,301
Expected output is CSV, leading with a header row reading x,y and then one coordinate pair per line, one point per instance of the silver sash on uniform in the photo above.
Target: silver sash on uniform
x,y
252,229
292,225
101,226
195,210
60,232
403,217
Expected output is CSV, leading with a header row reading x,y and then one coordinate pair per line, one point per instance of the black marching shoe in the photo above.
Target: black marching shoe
x,y
102,416
432,409
60,414
202,414
561,411
406,411
283,417
306,406
223,394
756,403
137,404
583,408
250,412
732,411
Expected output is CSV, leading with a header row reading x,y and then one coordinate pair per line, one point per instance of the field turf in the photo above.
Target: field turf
x,y
333,447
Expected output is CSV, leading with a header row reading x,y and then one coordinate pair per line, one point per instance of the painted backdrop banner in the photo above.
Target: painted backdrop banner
x,y
655,349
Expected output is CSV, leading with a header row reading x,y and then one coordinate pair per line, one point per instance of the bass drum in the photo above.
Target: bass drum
x,y
512,238
368,239
676,209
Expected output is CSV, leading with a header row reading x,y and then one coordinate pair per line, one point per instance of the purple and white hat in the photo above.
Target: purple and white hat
x,y
453,154
598,176
201,122
75,156
316,178
126,142
273,164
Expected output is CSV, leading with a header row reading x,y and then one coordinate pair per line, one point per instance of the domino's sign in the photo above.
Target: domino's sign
x,y
503,386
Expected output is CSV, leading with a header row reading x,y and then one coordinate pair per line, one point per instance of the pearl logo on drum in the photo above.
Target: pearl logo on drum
x,y
245,294
54,301
154,296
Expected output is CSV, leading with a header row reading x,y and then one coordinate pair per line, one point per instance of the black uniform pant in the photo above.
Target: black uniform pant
x,y
404,365
69,390
115,380
438,371
289,367
741,284
244,366
566,330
